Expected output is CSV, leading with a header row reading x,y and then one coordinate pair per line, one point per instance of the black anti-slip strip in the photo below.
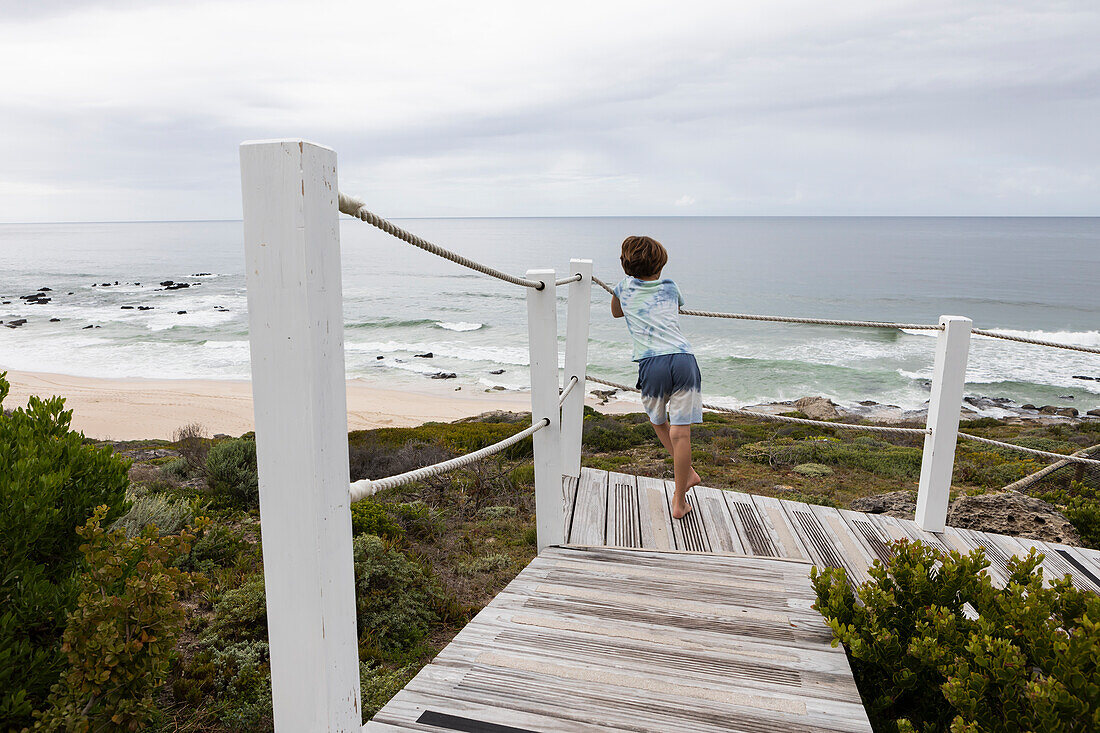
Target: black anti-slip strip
x,y
1073,561
466,725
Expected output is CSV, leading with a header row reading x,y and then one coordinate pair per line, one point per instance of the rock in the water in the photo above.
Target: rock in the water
x,y
1065,397
85,328
1056,410
817,408
444,375
426,355
901,504
1081,376
55,320
1028,406
145,307
44,290
604,394
1013,514
166,283
127,308
379,357
1094,413
180,313
497,371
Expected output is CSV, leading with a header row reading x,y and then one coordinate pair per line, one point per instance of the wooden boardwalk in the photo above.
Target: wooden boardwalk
x,y
648,624
601,639
622,510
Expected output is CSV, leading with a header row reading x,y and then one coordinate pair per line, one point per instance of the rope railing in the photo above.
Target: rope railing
x,y
355,207
569,388
1073,458
367,487
1030,479
783,418
567,280
1037,342
869,324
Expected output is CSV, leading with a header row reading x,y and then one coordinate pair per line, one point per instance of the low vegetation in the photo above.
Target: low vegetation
x,y
1028,661
184,518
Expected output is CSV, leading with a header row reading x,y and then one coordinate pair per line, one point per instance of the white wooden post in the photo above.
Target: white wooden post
x,y
576,365
296,331
944,408
542,333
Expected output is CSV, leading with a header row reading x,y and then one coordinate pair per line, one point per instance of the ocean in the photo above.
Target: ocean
x,y
1026,276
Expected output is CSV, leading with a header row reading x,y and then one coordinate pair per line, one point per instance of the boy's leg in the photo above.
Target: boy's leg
x,y
686,477
663,436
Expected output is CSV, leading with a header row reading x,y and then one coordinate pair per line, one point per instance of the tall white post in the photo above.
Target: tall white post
x,y
576,365
296,330
944,408
542,331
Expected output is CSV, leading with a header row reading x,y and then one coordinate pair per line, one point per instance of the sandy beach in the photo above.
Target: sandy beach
x,y
134,409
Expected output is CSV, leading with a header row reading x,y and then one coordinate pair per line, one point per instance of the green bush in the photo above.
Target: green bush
x,y
155,510
486,564
119,639
887,460
370,517
497,512
418,519
50,484
1030,661
377,685
1081,506
217,546
231,472
177,469
395,597
812,470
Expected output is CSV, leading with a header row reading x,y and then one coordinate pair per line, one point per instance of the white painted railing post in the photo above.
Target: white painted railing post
x,y
576,365
542,333
944,408
296,331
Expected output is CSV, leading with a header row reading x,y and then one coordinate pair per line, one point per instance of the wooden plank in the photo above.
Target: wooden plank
x,y
717,520
752,530
689,531
600,639
590,515
623,517
655,519
820,542
844,538
569,499
780,529
875,541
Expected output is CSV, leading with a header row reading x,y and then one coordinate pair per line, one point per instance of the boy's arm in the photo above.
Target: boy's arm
x,y
616,307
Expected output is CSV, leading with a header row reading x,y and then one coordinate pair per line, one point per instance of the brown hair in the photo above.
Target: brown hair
x,y
643,256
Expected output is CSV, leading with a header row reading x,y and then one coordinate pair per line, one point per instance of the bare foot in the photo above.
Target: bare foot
x,y
694,480
680,509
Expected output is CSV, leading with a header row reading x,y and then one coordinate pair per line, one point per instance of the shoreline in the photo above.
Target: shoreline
x,y
140,409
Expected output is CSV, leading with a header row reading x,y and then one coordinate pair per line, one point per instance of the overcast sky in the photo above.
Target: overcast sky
x,y
134,110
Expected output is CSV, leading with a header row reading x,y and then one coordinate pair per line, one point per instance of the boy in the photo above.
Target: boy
x,y
668,374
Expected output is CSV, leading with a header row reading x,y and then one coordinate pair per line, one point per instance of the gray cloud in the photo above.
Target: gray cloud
x,y
792,108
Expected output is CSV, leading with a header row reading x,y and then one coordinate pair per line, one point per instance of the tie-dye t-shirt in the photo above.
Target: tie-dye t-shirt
x,y
652,310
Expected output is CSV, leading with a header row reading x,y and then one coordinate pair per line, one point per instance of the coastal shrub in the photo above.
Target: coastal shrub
x,y
524,475
497,512
812,470
1030,661
418,519
50,484
372,460
175,469
169,516
370,517
988,468
216,546
604,434
193,445
485,564
119,638
1080,504
888,460
231,473
240,614
377,685
454,438
395,598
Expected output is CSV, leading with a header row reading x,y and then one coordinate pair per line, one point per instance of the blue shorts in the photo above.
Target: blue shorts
x,y
671,383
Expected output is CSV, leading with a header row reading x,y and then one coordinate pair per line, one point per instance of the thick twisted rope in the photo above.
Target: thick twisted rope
x,y
1062,457
783,418
567,280
366,487
354,207
569,388
791,319
1037,342
1047,470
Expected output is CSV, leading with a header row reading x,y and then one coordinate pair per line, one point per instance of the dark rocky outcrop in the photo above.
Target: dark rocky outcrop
x,y
900,504
444,375
1012,514
426,355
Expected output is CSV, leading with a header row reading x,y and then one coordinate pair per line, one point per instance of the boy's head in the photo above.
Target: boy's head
x,y
643,257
